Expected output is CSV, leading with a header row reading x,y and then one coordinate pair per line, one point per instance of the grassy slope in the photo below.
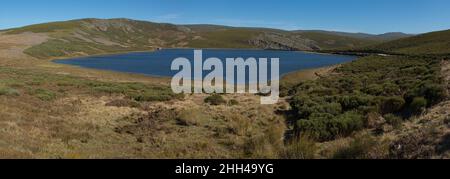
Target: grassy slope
x,y
58,116
429,43
93,36
379,38
227,38
330,41
382,97
47,27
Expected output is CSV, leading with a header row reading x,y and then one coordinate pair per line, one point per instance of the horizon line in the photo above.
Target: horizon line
x,y
223,25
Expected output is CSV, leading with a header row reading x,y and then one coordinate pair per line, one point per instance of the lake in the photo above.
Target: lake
x,y
158,63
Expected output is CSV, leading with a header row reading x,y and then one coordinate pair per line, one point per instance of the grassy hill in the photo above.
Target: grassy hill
x,y
97,36
380,106
434,43
333,41
372,37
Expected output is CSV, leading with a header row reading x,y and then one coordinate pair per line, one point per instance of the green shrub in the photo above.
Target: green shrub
x,y
391,89
136,91
392,104
353,102
306,106
8,91
418,104
149,96
109,89
302,104
382,85
393,120
233,102
215,100
327,127
44,95
434,93
374,89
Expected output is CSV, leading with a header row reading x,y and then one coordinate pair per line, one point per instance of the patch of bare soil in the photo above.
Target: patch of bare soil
x,y
12,46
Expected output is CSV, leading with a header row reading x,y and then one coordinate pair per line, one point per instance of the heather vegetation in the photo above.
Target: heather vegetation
x,y
48,87
394,87
215,99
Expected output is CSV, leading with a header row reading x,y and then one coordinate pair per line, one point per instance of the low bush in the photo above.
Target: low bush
x,y
109,89
124,103
8,91
418,104
233,102
353,102
44,95
393,120
337,104
136,91
327,127
215,100
434,93
392,104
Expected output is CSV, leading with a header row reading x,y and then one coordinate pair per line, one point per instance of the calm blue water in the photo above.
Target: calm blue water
x,y
158,63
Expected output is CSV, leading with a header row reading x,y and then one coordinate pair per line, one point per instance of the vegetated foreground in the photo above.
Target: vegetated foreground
x,y
357,111
375,107
372,101
60,116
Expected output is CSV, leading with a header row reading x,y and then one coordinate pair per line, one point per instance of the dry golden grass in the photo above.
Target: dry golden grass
x,y
294,78
58,116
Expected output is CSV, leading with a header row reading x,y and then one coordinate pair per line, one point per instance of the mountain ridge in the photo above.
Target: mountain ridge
x,y
433,43
378,37
95,36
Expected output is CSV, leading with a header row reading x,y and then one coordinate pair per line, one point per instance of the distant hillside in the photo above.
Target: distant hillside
x,y
333,41
371,37
429,43
97,36
392,36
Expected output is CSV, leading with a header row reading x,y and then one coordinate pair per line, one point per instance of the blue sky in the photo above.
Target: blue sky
x,y
371,16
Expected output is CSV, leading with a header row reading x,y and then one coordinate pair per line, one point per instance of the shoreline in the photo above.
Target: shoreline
x,y
304,74
154,50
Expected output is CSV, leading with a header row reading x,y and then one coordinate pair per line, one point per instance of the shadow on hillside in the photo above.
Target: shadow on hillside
x,y
444,146
290,119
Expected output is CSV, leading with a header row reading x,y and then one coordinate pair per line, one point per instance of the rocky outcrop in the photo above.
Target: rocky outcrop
x,y
283,42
